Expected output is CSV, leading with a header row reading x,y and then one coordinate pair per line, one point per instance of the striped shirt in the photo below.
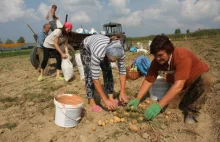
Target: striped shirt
x,y
96,44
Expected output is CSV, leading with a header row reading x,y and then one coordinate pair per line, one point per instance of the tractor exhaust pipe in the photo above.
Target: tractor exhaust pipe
x,y
66,17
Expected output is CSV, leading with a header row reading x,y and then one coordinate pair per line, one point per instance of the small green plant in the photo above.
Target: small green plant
x,y
8,125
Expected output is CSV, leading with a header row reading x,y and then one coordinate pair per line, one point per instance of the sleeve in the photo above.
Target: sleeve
x,y
152,72
40,39
57,32
121,65
183,69
95,67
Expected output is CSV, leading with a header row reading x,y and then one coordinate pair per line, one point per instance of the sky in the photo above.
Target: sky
x,y
138,17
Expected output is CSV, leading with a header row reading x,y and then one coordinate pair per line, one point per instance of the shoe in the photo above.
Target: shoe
x,y
60,78
96,108
190,120
40,78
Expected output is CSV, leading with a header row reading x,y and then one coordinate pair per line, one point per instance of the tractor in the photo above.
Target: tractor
x,y
112,29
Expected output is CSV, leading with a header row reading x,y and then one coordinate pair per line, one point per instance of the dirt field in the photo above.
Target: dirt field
x,y
27,109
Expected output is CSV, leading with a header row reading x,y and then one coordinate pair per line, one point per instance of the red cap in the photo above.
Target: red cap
x,y
68,25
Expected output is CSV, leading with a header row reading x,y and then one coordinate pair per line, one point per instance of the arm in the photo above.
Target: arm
x,y
172,92
147,83
53,14
122,82
47,16
181,75
40,39
95,71
144,89
56,45
99,90
66,45
122,71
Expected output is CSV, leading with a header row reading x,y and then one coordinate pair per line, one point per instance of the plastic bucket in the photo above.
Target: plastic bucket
x,y
159,88
67,115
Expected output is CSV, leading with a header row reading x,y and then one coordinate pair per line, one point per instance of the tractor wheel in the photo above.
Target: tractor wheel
x,y
34,57
71,51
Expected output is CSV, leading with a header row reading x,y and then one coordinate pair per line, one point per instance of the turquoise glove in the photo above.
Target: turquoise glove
x,y
152,111
134,103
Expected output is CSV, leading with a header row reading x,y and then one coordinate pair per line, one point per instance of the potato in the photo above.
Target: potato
x,y
106,121
100,122
122,119
144,106
116,119
94,128
143,126
133,128
167,117
103,123
126,114
132,107
147,101
168,112
134,121
133,114
114,113
140,105
111,121
140,119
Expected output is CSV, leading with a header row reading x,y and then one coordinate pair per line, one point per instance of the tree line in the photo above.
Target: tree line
x,y
200,33
9,41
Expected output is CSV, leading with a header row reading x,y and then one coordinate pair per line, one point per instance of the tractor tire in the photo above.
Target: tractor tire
x,y
71,51
34,57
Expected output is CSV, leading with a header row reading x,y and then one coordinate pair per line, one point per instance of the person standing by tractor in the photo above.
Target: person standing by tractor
x,y
188,74
98,51
52,43
40,41
51,16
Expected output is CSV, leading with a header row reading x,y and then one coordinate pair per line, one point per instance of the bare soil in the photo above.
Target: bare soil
x,y
27,109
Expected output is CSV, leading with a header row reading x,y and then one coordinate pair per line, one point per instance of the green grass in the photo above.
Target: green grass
x,y
8,99
14,53
8,125
33,96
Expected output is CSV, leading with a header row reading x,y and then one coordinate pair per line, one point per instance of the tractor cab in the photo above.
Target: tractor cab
x,y
112,28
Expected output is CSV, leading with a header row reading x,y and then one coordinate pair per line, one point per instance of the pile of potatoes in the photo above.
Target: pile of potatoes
x,y
130,116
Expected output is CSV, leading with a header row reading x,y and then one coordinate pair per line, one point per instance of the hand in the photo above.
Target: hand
x,y
110,104
64,56
152,111
134,103
123,98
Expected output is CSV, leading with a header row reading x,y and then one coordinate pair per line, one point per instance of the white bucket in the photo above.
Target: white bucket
x,y
159,88
67,115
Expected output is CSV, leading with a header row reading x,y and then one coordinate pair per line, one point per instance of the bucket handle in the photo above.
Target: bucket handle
x,y
77,119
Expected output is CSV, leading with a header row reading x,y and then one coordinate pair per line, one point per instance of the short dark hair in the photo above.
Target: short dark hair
x,y
45,25
54,6
161,42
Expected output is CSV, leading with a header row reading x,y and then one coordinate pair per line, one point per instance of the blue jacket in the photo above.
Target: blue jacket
x,y
40,38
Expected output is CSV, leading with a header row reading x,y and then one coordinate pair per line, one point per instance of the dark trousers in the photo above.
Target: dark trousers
x,y
191,99
46,52
106,71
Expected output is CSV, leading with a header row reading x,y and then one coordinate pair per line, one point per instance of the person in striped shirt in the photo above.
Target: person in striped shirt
x,y
98,51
